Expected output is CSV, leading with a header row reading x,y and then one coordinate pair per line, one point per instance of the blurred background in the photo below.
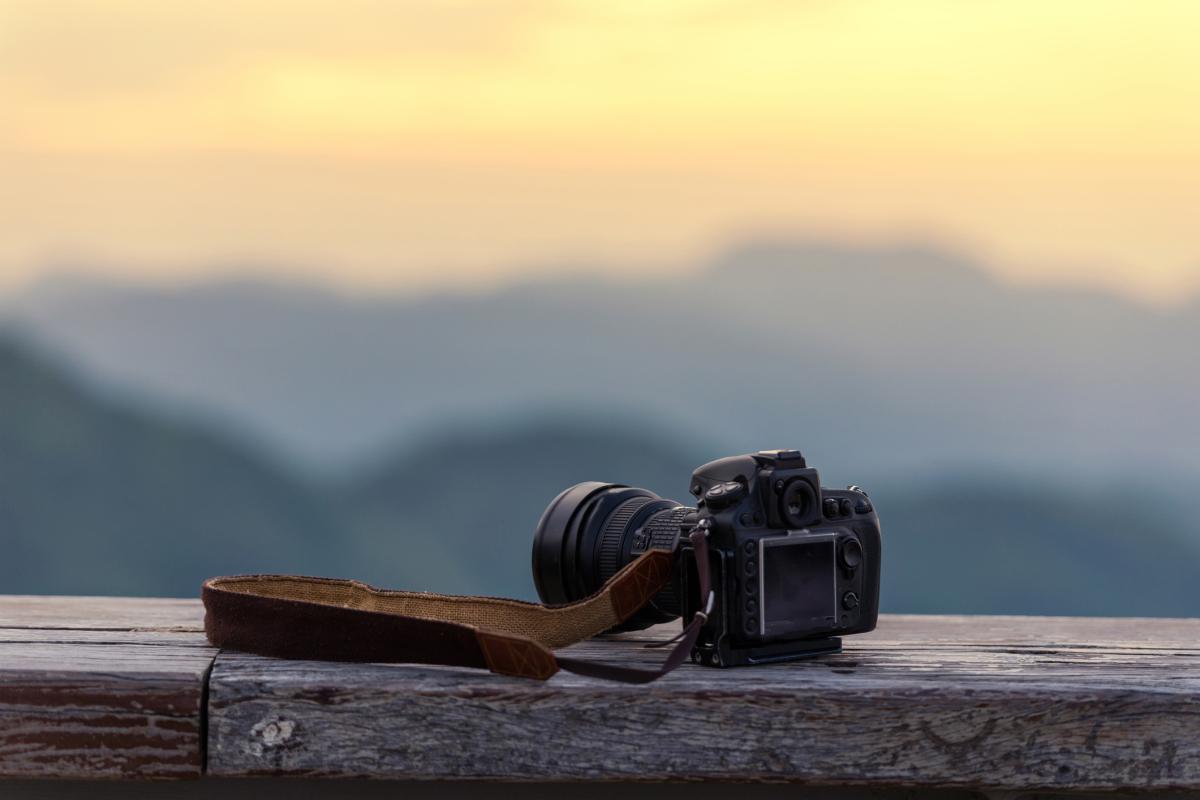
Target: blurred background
x,y
355,288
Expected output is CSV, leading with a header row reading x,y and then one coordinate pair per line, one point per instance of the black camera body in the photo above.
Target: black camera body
x,y
793,566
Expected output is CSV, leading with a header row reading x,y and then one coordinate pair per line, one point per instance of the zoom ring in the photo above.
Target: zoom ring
x,y
613,536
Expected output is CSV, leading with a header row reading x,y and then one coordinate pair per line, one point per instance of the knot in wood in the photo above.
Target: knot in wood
x,y
273,732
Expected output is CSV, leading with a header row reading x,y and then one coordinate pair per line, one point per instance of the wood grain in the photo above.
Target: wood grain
x,y
1000,703
101,688
115,687
101,613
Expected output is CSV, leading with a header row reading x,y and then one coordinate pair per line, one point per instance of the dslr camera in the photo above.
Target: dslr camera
x,y
794,566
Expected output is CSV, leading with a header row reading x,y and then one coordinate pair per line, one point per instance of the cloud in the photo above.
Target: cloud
x,y
1046,134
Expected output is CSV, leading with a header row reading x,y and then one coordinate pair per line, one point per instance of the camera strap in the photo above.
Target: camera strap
x,y
328,619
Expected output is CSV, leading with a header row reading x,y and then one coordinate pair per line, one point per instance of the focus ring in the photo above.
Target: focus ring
x,y
613,536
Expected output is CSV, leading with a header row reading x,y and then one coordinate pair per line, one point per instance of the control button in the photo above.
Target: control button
x,y
849,601
852,553
749,548
751,605
724,494
831,507
844,506
751,567
863,507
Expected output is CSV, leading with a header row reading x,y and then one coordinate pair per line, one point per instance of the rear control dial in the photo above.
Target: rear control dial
x,y
851,554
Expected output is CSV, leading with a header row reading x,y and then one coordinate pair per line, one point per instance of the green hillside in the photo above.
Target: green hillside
x,y
99,497
1009,545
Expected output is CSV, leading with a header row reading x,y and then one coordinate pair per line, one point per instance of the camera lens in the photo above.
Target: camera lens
x,y
592,530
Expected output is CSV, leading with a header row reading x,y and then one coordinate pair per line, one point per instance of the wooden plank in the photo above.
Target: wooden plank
x,y
104,687
101,687
997,703
290,789
101,613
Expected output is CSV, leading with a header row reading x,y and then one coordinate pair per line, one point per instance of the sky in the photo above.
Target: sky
x,y
404,145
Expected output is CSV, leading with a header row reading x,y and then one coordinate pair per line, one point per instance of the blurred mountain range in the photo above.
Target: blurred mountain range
x,y
1031,450
97,498
880,362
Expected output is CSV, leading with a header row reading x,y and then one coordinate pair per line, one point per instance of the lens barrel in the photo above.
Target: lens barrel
x,y
592,530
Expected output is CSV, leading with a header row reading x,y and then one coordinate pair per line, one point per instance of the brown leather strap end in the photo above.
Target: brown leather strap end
x,y
290,616
284,627
521,658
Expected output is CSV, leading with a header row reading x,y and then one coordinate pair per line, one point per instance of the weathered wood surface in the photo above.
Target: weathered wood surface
x,y
44,612
975,702
101,688
344,789
116,688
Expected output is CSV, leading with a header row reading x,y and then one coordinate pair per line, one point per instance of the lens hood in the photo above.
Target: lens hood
x,y
566,542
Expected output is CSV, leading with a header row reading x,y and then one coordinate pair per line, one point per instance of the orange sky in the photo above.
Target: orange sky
x,y
415,144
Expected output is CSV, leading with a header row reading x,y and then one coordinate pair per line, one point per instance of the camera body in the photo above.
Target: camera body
x,y
794,566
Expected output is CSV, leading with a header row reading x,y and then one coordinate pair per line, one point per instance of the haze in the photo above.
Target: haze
x,y
413,145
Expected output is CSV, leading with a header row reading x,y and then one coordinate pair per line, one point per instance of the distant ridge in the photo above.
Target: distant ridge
x,y
881,359
904,260
100,497
97,498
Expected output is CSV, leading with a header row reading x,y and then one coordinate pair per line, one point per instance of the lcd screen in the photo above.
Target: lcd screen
x,y
798,584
